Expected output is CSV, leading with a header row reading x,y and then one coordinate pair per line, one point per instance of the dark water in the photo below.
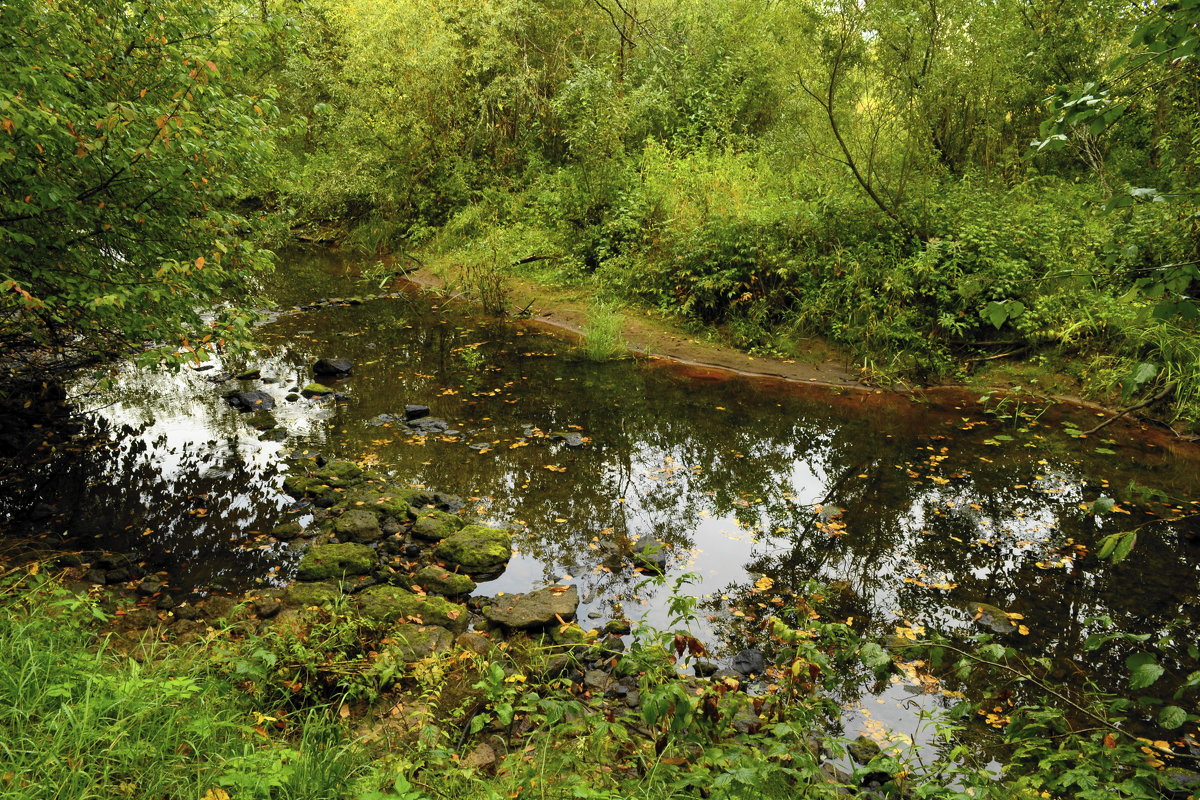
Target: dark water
x,y
923,511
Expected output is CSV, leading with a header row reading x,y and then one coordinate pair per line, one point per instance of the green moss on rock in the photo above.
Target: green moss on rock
x,y
316,390
436,525
303,595
476,549
437,580
326,561
382,504
358,525
391,604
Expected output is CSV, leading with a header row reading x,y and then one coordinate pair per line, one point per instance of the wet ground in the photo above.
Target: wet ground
x,y
924,512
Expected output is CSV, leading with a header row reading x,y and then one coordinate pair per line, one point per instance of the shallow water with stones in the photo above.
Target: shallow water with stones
x,y
921,510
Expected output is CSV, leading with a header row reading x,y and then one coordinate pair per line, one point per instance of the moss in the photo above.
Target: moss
x,y
322,562
436,580
391,604
304,595
477,549
436,525
382,503
414,642
340,474
316,390
358,525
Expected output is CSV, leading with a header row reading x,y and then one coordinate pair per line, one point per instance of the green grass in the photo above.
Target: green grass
x,y
79,720
602,339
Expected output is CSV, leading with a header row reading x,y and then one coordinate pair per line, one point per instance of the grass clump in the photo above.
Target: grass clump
x,y
602,340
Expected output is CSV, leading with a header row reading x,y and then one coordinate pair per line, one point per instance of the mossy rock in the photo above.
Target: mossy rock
x,y
326,561
417,499
358,525
300,485
340,474
477,549
382,504
316,390
411,642
436,580
436,525
287,531
304,595
391,604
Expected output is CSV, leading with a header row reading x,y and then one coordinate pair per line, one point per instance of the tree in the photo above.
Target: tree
x,y
126,139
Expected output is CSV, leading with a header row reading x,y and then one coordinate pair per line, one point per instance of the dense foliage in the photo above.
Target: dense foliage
x,y
128,132
890,175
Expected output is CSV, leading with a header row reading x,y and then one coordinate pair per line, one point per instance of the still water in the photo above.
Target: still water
x,y
922,510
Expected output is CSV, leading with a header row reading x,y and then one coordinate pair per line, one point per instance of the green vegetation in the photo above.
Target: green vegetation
x,y
928,186
325,704
602,333
779,171
129,138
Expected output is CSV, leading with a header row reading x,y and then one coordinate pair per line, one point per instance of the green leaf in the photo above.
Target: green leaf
x,y
1171,717
1144,670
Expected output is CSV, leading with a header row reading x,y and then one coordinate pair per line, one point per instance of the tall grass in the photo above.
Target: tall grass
x,y
602,339
79,720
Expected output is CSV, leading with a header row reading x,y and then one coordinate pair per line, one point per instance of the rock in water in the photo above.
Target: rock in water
x,y
316,390
648,554
326,561
412,412
358,525
335,367
476,549
250,401
393,604
536,609
749,662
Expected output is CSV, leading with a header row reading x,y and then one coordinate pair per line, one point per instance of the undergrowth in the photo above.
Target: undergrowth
x,y
311,707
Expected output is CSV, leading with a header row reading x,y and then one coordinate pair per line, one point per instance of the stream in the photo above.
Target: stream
x,y
917,510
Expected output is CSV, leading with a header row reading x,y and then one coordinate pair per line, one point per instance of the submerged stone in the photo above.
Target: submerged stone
x,y
325,561
333,366
287,531
250,401
476,549
358,525
534,610
436,525
391,603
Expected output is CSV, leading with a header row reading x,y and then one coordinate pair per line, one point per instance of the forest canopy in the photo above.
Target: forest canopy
x,y
926,184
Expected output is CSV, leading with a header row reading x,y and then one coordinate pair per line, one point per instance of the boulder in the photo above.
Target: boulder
x,y
382,504
326,561
413,642
535,610
412,412
357,525
304,595
436,580
340,474
335,367
392,604
749,662
863,749
436,525
477,549
250,401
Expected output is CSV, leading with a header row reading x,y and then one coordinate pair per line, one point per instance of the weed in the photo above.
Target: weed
x,y
602,333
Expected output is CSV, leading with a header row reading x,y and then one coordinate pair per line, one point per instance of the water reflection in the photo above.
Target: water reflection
x,y
922,511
